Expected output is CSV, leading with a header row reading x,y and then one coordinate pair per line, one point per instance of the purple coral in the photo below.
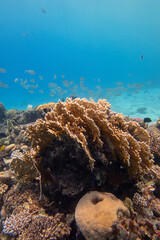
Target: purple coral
x,y
15,224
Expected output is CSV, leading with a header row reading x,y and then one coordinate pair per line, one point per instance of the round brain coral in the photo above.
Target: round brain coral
x,y
96,212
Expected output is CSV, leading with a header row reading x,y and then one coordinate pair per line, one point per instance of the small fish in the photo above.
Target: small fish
x,y
120,89
71,82
52,85
2,70
66,83
63,76
16,80
82,78
30,72
40,77
32,81
43,10
2,148
130,85
139,85
149,82
34,86
41,91
25,34
3,85
55,76
142,57
31,91
119,83
117,94
147,120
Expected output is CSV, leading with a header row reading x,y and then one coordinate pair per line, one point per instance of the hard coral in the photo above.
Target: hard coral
x,y
33,225
96,212
44,108
154,133
95,128
23,166
26,216
46,227
15,224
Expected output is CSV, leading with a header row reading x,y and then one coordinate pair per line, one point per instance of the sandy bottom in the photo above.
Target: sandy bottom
x,y
144,104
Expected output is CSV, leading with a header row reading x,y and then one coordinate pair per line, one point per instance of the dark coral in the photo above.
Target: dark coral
x,y
2,112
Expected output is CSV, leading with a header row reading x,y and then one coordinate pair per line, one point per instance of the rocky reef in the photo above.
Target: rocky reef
x,y
79,153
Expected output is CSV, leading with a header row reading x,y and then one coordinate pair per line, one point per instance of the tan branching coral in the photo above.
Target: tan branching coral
x,y
94,127
154,133
42,109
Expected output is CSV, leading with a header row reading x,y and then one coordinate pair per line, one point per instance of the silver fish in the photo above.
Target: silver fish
x,y
2,70
30,72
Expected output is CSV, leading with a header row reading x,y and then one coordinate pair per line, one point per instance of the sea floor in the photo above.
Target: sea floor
x,y
144,104
132,102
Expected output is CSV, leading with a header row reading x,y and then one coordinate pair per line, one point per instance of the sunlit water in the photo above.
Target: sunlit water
x,y
99,49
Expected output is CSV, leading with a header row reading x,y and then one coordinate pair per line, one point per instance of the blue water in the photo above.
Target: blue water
x,y
100,40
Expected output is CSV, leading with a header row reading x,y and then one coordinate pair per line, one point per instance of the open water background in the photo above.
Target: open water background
x,y
101,41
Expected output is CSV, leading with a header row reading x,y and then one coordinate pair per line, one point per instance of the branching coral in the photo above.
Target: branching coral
x,y
15,224
42,109
96,129
33,225
154,133
27,218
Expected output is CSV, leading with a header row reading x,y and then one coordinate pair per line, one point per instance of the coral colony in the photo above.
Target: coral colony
x,y
77,170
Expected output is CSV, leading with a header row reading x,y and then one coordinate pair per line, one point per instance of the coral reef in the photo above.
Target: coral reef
x,y
46,227
20,194
22,117
154,133
45,170
3,189
15,224
23,166
27,218
12,122
158,123
30,225
140,229
96,212
2,112
44,108
95,129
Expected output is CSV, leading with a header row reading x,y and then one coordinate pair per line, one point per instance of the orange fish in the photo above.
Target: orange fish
x,y
2,148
